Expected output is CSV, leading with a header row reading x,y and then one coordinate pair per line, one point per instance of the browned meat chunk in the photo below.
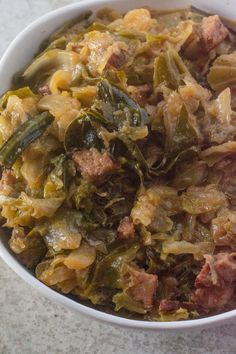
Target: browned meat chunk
x,y
225,266
143,287
216,283
213,32
171,305
7,182
44,90
214,297
126,229
117,60
94,164
204,278
206,37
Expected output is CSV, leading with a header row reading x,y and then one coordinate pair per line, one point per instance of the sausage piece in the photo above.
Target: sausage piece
x,y
126,229
214,297
225,266
7,182
94,164
205,37
216,282
117,60
143,286
213,32
173,305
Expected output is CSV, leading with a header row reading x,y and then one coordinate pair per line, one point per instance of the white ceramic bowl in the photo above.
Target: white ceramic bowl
x,y
17,56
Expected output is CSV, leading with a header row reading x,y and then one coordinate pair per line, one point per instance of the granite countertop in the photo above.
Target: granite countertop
x,y
31,324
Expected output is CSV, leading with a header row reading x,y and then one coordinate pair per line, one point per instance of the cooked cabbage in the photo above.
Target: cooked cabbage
x,y
48,63
25,209
198,200
222,72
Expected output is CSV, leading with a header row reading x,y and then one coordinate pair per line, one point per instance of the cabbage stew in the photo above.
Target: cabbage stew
x,y
118,163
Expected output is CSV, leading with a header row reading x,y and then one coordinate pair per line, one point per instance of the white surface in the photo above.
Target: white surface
x,y
18,313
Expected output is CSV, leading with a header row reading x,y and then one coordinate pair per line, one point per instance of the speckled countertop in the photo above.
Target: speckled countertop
x,y
30,324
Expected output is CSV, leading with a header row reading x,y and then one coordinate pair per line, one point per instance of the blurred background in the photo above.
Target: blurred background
x,y
30,324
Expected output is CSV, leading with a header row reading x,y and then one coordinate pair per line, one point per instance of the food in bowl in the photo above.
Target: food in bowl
x,y
118,162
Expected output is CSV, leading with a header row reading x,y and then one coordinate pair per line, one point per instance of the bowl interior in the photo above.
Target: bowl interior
x,y
19,54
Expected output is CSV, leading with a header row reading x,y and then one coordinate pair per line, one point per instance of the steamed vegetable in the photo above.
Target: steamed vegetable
x,y
82,133
116,99
169,69
48,63
30,248
198,200
21,93
63,232
23,137
222,73
107,271
63,108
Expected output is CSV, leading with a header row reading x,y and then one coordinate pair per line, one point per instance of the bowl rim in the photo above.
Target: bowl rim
x,y
51,294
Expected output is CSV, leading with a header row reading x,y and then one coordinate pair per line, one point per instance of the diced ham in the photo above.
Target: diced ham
x,y
44,90
143,287
173,305
8,178
222,264
117,60
126,229
94,164
225,266
206,37
213,32
7,182
214,297
169,305
216,283
205,278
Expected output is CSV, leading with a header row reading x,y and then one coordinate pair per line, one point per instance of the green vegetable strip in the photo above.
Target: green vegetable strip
x,y
28,132
115,97
22,92
169,68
